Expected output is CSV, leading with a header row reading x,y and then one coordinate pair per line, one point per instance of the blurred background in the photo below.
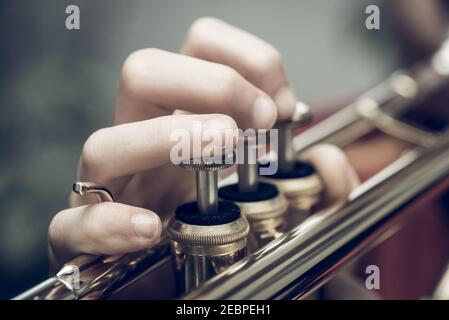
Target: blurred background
x,y
58,86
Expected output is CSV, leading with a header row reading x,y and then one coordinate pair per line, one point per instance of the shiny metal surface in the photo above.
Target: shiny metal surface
x,y
207,179
266,217
302,195
302,259
267,220
201,252
103,194
38,290
286,153
247,169
194,270
207,239
207,191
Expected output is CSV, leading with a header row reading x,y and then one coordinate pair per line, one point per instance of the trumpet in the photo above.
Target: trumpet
x,y
295,245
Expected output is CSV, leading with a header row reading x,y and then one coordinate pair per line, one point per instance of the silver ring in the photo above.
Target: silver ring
x,y
102,193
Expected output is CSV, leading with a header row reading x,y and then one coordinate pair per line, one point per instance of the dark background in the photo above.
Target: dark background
x,y
57,86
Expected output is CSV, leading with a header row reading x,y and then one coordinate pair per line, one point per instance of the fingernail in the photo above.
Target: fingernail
x,y
285,100
146,225
264,113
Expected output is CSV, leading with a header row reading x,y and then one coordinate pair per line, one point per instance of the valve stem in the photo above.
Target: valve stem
x,y
286,153
207,191
247,169
207,181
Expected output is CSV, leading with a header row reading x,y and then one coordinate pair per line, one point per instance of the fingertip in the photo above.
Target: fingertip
x,y
118,229
334,169
147,225
326,152
223,129
104,228
264,113
126,228
285,100
220,122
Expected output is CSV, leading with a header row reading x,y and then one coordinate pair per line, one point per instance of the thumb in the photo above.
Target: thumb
x,y
103,228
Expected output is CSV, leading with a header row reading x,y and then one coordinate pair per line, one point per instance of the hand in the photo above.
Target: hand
x,y
225,78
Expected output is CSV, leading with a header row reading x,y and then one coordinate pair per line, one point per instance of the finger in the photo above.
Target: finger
x,y
135,147
366,159
338,176
155,83
259,62
104,228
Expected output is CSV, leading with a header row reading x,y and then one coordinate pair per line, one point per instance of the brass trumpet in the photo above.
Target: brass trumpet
x,y
302,256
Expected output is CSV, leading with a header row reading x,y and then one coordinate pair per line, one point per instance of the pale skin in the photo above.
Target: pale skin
x,y
225,78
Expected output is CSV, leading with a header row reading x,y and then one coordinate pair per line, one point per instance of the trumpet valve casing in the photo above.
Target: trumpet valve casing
x,y
297,180
208,235
302,187
206,245
265,210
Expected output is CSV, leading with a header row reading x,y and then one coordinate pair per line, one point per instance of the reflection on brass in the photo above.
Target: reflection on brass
x,y
201,252
266,219
286,153
266,216
302,195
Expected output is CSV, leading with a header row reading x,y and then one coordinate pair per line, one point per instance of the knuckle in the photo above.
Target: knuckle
x,y
91,151
266,63
201,25
136,67
228,121
229,83
198,31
